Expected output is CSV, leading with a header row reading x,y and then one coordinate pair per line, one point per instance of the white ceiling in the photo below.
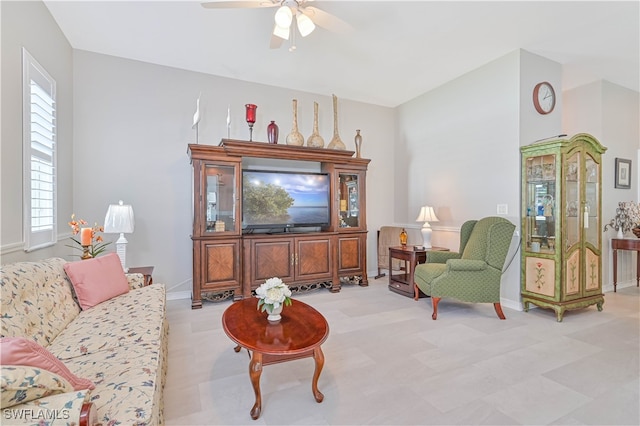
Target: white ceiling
x,y
396,51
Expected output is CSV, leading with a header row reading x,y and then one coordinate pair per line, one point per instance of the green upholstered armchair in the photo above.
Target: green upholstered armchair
x,y
473,274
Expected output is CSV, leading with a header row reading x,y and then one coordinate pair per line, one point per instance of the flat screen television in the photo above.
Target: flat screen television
x,y
278,199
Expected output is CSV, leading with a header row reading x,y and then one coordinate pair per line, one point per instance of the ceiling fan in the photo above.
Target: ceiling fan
x,y
307,17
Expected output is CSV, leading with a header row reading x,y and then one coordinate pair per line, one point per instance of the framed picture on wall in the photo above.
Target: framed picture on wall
x,y
623,173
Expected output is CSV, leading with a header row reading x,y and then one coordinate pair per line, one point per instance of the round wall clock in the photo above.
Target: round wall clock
x,y
544,97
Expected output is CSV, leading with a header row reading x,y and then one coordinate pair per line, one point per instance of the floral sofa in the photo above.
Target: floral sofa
x,y
118,346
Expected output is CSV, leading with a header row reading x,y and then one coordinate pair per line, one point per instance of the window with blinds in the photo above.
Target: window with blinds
x,y
39,142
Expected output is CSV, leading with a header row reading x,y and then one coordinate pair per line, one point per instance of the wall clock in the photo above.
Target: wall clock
x,y
544,97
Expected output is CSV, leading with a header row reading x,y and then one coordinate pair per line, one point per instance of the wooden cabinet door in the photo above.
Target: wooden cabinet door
x,y
350,254
271,258
313,258
221,260
216,268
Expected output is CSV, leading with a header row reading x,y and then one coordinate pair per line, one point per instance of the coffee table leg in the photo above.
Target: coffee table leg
x,y
255,370
318,356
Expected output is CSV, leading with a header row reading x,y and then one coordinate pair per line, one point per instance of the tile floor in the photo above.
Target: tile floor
x,y
388,363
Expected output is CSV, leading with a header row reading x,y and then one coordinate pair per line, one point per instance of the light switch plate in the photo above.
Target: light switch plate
x,y
503,209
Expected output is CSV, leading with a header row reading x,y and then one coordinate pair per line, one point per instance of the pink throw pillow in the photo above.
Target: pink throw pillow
x,y
97,280
22,351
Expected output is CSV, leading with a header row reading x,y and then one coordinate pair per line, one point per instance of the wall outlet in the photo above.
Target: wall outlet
x,y
503,209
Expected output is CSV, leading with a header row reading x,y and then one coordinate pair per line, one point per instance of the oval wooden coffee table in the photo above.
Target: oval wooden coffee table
x,y
298,334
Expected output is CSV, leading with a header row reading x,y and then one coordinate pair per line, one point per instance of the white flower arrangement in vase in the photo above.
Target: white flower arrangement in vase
x,y
273,295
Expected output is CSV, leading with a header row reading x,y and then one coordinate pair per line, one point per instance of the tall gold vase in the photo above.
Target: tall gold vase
x,y
336,142
295,137
315,140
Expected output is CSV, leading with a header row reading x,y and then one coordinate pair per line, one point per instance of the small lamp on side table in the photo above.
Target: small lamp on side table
x,y
426,215
119,219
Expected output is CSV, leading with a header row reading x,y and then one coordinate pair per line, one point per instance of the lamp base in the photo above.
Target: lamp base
x,y
426,235
121,250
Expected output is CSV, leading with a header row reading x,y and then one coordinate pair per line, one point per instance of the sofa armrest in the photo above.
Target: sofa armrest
x,y
441,256
135,281
466,265
68,408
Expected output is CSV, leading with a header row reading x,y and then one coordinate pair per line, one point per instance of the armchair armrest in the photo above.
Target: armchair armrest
x,y
466,265
441,256
135,280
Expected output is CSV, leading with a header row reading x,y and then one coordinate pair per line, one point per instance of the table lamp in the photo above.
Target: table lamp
x,y
119,219
426,215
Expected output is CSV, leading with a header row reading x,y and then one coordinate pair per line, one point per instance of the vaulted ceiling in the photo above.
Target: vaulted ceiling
x,y
396,51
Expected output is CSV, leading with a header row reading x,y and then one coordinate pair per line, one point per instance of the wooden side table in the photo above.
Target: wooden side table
x,y
403,283
144,270
625,244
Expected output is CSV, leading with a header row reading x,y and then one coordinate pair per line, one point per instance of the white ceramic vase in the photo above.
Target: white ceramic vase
x,y
274,313
620,233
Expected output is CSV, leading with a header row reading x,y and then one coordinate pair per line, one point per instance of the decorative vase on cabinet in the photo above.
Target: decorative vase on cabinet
x,y
315,140
295,137
272,132
561,223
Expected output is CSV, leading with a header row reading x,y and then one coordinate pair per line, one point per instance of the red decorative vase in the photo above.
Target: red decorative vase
x,y
272,132
636,231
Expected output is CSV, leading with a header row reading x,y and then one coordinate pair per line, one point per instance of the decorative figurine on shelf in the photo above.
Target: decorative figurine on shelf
x,y
196,116
358,141
403,238
272,132
228,121
251,118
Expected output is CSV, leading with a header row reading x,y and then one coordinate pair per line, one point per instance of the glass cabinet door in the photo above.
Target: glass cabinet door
x,y
220,198
572,178
540,195
349,200
591,219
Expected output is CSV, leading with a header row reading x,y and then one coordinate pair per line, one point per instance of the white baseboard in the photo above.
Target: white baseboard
x,y
511,304
608,288
177,295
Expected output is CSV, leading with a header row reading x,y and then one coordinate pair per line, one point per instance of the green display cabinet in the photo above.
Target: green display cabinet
x,y
561,224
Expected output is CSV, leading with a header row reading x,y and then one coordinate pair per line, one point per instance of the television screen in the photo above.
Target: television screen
x,y
275,199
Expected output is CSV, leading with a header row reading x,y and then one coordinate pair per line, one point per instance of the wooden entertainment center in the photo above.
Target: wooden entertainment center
x,y
229,262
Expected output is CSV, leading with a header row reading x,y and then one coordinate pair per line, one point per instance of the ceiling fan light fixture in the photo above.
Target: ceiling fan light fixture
x,y
281,32
305,24
284,16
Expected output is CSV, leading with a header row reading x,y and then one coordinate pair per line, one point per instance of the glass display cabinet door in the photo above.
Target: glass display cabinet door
x,y
349,196
541,204
572,178
220,198
592,190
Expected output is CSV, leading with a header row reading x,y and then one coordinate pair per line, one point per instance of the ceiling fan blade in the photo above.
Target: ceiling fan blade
x,y
275,42
244,4
326,20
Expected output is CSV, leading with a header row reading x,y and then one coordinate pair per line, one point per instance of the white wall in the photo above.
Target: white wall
x,y
133,123
610,113
51,49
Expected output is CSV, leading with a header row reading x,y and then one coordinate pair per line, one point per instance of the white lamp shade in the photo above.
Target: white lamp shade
x,y
305,24
281,32
119,219
284,16
427,215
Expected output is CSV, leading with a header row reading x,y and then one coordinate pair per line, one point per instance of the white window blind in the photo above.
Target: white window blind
x,y
39,142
